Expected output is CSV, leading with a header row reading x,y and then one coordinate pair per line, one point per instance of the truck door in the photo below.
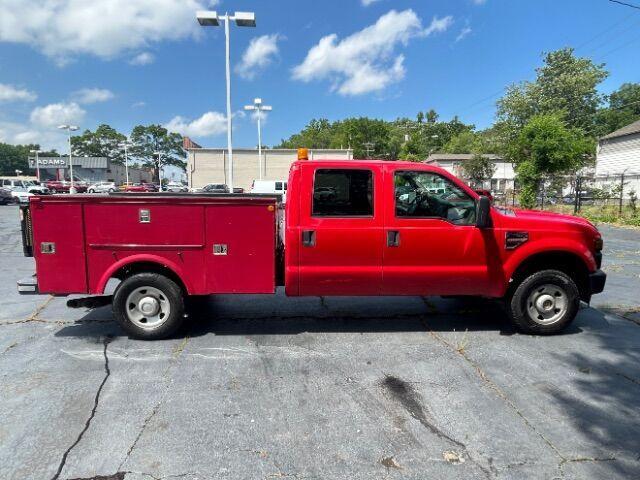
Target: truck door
x,y
340,231
431,244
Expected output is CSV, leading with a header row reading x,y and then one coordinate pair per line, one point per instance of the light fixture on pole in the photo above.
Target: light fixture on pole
x,y
159,155
37,152
124,145
69,129
242,19
258,107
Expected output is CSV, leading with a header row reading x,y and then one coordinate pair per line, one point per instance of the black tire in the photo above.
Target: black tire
x,y
53,191
91,190
151,283
531,305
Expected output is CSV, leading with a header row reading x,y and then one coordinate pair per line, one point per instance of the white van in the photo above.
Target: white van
x,y
270,186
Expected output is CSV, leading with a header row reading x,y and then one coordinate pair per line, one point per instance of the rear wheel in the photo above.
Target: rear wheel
x,y
545,302
91,190
149,306
53,191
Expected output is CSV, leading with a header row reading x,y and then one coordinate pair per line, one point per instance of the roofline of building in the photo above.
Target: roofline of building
x,y
255,150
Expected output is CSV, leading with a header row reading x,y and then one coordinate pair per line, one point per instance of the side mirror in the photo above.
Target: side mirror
x,y
482,212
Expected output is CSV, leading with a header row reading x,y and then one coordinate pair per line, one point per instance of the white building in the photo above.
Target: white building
x,y
619,153
210,165
503,177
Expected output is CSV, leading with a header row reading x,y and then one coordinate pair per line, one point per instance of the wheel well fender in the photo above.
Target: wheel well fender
x,y
567,262
144,263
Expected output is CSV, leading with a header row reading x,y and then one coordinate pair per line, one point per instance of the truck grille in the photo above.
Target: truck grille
x,y
26,226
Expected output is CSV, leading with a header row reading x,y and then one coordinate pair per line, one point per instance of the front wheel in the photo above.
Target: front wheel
x,y
544,303
149,306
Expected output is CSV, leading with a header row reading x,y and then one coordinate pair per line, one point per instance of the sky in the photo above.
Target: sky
x,y
130,62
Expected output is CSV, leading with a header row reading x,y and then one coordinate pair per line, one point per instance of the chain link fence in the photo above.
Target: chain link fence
x,y
614,195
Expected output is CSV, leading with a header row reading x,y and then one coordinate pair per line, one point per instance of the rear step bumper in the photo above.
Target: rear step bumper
x,y
28,286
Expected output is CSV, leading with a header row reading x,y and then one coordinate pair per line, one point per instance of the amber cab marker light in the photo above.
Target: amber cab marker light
x,y
303,154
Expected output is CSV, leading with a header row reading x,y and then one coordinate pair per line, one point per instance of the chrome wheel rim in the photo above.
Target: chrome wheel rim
x,y
547,304
148,307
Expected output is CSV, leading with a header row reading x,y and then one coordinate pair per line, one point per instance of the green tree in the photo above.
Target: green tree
x,y
149,139
623,109
478,169
563,83
546,146
465,142
104,142
15,157
432,116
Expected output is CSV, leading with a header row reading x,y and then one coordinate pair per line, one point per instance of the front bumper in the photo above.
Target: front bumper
x,y
597,280
28,286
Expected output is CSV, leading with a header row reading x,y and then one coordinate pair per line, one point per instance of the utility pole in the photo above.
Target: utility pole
x,y
368,148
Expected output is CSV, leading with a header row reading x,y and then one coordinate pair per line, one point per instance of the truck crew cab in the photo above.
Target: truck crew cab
x,y
350,228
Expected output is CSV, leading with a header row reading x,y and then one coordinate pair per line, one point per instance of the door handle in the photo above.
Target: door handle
x,y
393,238
308,238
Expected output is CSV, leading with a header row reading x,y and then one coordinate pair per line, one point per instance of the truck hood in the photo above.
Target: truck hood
x,y
551,217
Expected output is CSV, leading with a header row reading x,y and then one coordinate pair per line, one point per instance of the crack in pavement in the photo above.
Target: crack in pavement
x,y
96,400
178,350
483,376
492,385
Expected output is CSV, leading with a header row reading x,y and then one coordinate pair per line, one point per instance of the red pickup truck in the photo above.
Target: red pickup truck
x,y
350,228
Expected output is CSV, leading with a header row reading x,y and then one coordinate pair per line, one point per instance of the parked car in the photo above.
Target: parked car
x,y
63,186
102,187
270,186
215,188
20,195
138,187
5,196
28,185
175,187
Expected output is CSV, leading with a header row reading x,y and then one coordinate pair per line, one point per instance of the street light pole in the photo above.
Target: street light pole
x,y
242,19
159,154
69,129
259,108
37,163
125,144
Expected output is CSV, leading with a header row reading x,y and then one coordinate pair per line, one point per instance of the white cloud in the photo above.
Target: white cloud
x,y
54,114
258,55
106,28
144,58
366,60
439,25
92,95
210,123
479,2
20,134
366,3
463,33
9,93
139,104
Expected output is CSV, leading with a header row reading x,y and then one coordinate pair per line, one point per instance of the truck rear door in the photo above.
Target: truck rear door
x,y
340,230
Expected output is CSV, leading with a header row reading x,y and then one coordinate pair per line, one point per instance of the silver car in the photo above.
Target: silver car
x,y
102,187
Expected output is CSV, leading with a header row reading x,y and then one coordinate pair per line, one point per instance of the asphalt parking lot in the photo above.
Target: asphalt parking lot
x,y
320,388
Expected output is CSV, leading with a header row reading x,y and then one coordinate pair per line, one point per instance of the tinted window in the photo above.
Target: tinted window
x,y
343,193
425,194
285,185
278,186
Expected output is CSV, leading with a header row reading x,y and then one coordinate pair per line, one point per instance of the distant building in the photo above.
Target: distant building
x,y
503,177
619,153
89,169
209,165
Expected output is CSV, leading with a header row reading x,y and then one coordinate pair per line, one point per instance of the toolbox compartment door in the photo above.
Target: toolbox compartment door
x,y
58,247
240,250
